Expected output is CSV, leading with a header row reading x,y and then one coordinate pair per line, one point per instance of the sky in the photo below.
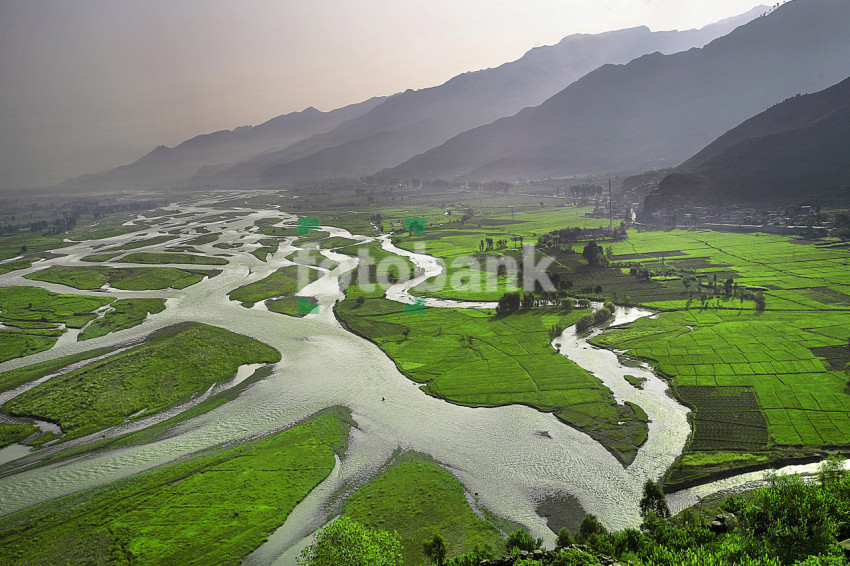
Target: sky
x,y
87,85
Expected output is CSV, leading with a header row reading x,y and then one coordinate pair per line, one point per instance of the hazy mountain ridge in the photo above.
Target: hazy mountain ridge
x,y
658,109
414,121
796,149
172,166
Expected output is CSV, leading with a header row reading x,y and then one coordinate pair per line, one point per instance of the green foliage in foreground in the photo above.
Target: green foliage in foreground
x,y
15,432
284,281
209,509
126,313
347,543
128,278
163,257
417,498
788,522
146,379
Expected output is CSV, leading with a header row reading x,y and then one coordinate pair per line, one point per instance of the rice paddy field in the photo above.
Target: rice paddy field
x,y
760,381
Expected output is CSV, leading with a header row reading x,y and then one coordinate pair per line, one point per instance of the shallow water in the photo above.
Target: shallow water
x,y
497,452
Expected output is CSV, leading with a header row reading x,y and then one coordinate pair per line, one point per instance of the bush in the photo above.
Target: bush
x,y
348,543
609,306
590,525
473,557
790,519
521,540
565,537
584,322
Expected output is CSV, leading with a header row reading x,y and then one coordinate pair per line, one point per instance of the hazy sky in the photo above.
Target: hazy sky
x,y
87,85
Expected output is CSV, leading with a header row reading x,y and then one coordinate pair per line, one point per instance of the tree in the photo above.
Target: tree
x,y
435,549
831,471
348,543
589,526
593,254
653,500
760,302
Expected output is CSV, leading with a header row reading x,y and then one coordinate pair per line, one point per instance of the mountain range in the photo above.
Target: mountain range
x,y
800,147
658,109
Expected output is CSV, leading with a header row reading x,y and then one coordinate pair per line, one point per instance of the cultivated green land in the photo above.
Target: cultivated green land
x,y
417,498
129,278
164,257
763,383
166,370
212,508
125,313
282,282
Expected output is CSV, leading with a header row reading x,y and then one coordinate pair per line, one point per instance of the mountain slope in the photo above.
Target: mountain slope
x,y
414,121
167,166
658,109
796,149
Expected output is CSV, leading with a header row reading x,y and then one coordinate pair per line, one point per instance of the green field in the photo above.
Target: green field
x,y
128,278
166,370
284,281
210,508
124,313
293,306
417,498
179,258
760,382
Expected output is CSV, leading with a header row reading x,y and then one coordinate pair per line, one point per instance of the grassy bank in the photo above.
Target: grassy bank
x,y
127,278
125,313
166,370
212,508
284,281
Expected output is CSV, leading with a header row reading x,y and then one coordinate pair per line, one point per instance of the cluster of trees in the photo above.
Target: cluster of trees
x,y
586,190
788,522
511,302
596,317
596,255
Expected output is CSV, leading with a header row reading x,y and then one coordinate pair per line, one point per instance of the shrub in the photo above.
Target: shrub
x,y
565,537
521,540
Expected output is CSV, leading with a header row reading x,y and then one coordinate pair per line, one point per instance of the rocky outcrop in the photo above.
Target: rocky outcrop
x,y
549,556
